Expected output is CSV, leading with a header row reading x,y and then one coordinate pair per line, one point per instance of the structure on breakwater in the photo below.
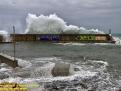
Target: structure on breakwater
x,y
8,60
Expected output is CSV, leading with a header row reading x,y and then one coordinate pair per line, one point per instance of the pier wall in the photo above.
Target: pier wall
x,y
8,60
82,38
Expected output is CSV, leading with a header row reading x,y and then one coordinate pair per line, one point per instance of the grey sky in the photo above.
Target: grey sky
x,y
102,14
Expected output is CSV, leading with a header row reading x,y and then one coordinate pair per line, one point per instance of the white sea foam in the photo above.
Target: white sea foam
x,y
4,69
24,63
102,62
43,59
44,71
72,44
118,40
82,74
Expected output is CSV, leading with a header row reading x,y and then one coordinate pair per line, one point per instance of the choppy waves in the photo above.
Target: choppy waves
x,y
86,75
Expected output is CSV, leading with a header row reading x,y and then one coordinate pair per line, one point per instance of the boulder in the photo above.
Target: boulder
x,y
61,69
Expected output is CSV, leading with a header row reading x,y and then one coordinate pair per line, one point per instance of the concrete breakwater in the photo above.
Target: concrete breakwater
x,y
8,60
81,38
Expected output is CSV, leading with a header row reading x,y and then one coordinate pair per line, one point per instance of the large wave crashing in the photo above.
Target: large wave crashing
x,y
53,24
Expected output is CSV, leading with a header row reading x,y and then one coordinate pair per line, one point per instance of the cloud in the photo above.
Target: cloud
x,y
86,12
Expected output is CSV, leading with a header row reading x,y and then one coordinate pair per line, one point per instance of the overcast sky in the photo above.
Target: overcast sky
x,y
101,14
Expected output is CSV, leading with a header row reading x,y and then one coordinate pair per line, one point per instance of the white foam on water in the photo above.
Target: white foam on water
x,y
3,65
4,69
82,74
102,62
24,63
72,44
10,79
118,40
43,59
44,71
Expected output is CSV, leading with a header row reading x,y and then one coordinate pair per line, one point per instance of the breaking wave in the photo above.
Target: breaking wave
x,y
118,40
53,24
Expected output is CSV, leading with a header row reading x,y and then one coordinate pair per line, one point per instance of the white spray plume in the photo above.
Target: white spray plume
x,y
3,32
71,29
118,40
44,24
53,24
5,35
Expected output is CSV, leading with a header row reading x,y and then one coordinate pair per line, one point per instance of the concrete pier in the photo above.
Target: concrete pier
x,y
8,60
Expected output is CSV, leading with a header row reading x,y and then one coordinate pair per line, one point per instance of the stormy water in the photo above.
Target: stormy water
x,y
93,66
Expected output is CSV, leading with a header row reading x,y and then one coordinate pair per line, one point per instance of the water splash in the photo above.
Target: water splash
x,y
5,35
53,24
118,40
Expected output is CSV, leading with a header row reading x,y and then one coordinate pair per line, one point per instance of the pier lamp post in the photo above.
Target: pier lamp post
x,y
14,43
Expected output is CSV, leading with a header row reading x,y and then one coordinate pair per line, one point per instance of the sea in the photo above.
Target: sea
x,y
93,66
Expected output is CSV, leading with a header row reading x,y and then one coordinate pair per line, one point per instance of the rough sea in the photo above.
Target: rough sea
x,y
93,67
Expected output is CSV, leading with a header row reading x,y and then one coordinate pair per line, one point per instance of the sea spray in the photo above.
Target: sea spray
x,y
44,24
118,40
53,24
5,35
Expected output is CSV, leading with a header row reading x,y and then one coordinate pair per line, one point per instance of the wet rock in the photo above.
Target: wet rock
x,y
119,89
75,82
76,69
3,65
47,85
57,85
71,89
54,90
54,86
61,69
3,75
91,90
83,85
